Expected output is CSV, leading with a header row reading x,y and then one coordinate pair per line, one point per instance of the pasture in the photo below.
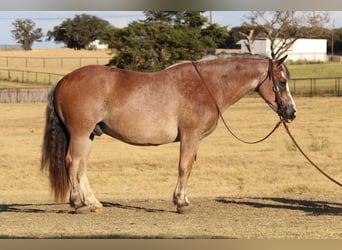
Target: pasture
x,y
59,60
243,191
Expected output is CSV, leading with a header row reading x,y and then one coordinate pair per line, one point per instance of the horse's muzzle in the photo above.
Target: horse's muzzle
x,y
288,113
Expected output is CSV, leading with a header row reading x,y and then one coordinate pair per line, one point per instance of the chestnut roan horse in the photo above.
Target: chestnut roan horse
x,y
179,104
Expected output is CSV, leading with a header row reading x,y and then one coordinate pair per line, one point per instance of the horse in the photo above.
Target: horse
x,y
182,103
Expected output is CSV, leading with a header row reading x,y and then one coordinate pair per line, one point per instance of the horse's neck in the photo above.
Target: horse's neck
x,y
230,82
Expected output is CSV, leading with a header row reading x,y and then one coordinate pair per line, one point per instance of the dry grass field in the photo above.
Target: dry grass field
x,y
237,191
59,60
39,68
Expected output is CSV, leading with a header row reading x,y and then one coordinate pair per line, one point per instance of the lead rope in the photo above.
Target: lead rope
x,y
268,135
224,122
250,142
307,157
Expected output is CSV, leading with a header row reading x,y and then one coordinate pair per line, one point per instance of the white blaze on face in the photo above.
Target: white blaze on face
x,y
288,89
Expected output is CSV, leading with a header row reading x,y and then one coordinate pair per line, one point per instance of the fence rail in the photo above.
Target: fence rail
x,y
328,86
51,62
298,86
14,75
23,95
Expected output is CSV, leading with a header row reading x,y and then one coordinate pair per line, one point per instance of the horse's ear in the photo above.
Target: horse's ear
x,y
281,60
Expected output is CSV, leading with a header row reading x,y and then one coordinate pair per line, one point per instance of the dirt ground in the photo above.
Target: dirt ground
x,y
221,217
267,191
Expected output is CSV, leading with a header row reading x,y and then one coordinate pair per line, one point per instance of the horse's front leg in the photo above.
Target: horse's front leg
x,y
188,150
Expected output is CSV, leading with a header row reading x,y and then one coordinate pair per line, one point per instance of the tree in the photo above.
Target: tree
x,y
337,41
79,32
163,38
138,46
283,28
249,41
24,33
216,36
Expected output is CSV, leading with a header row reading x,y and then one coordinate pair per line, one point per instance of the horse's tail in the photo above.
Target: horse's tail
x,y
54,149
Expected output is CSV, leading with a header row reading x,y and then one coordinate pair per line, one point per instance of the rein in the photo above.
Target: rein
x,y
272,131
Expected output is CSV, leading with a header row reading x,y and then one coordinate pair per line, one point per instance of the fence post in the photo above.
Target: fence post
x,y
294,86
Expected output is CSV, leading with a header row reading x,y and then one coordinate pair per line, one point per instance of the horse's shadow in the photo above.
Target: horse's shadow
x,y
26,208
138,208
311,207
51,208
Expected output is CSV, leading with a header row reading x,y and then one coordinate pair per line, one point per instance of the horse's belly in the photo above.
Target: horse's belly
x,y
142,131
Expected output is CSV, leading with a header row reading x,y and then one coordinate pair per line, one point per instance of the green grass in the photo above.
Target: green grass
x,y
302,74
315,70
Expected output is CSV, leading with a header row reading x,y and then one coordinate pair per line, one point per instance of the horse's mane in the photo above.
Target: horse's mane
x,y
223,54
213,56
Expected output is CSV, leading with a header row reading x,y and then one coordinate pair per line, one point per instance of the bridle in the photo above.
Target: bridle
x,y
276,90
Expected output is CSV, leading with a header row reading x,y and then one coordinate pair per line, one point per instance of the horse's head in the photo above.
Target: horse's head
x,y
274,89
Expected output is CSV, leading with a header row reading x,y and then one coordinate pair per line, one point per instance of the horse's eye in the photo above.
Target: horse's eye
x,y
282,82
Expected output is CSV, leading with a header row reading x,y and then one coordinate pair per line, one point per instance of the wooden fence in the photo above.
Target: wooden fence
x,y
14,75
328,86
51,62
298,87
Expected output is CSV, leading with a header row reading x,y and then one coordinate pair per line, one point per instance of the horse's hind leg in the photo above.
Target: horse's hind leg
x,y
81,196
88,193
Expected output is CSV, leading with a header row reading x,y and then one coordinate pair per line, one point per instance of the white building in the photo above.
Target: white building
x,y
302,49
97,45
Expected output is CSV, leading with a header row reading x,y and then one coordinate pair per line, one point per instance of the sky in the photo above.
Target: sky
x,y
47,20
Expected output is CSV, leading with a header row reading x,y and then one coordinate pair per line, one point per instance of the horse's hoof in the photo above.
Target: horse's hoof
x,y
183,209
83,210
97,209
